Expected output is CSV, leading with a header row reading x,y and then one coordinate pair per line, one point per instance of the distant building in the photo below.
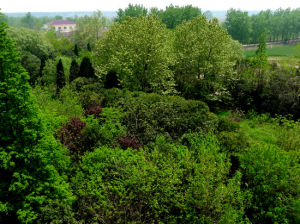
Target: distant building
x,y
61,26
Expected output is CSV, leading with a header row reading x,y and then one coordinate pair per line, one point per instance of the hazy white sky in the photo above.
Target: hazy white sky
x,y
114,5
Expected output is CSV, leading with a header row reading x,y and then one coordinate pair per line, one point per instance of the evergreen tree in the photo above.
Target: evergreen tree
x,y
74,70
260,65
31,160
60,77
76,52
86,68
89,47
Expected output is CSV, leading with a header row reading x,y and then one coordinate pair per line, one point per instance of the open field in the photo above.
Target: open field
x,y
276,51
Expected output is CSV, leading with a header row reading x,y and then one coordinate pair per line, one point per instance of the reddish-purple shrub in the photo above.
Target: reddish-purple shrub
x,y
94,111
128,141
70,135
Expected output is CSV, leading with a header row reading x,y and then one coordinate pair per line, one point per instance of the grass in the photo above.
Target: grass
x,y
277,51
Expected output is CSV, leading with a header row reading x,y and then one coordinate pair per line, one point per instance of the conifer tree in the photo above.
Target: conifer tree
x,y
60,77
31,160
74,70
86,68
76,52
89,47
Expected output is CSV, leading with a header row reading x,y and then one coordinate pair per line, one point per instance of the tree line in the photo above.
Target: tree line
x,y
278,25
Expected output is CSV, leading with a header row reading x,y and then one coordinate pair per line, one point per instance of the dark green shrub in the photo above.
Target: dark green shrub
x,y
233,141
57,213
225,124
150,115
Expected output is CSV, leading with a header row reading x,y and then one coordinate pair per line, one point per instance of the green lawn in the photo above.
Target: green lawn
x,y
277,51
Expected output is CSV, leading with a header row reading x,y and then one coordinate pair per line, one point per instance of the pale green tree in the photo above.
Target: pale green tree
x,y
131,11
140,53
90,29
205,54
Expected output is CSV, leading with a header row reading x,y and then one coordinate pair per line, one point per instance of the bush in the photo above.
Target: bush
x,y
128,141
71,137
104,130
96,111
150,115
233,141
272,176
165,183
225,124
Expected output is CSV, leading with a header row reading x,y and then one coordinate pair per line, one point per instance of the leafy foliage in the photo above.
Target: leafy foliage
x,y
96,111
71,137
205,59
32,163
178,185
272,176
131,11
138,50
150,115
129,141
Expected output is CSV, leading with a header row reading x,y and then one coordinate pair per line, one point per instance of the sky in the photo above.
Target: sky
x,y
114,5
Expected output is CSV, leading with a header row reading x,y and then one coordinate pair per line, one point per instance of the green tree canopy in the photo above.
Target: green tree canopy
x,y
139,51
131,11
204,53
238,25
89,29
31,160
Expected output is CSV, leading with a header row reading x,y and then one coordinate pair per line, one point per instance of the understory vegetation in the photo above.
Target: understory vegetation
x,y
146,123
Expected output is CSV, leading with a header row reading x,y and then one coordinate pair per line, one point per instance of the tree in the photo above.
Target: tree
x,y
131,11
238,25
74,70
175,15
205,57
89,29
60,77
28,21
88,47
259,65
139,51
35,50
76,50
86,69
32,162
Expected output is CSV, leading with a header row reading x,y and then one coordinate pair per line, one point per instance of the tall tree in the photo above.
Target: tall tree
x,y
238,25
139,51
60,77
89,29
28,21
131,11
172,16
86,68
76,52
31,160
74,70
205,56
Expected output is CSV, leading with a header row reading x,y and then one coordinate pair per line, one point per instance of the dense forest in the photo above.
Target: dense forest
x,y
153,117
